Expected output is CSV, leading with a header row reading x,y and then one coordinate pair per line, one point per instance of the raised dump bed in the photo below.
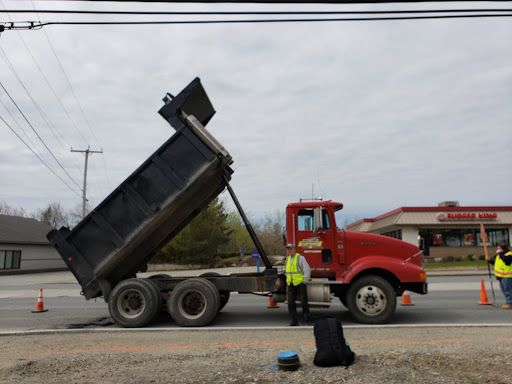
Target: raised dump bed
x,y
153,204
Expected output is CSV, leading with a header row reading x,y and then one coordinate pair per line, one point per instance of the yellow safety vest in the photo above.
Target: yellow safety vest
x,y
501,269
294,275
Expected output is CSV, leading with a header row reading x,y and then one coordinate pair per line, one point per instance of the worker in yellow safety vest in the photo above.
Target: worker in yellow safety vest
x,y
503,271
298,274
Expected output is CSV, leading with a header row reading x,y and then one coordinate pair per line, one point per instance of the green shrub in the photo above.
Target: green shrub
x,y
458,259
481,257
228,255
470,257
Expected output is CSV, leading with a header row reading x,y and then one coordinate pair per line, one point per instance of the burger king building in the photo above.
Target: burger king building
x,y
448,230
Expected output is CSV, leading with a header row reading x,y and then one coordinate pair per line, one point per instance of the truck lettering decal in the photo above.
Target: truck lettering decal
x,y
313,242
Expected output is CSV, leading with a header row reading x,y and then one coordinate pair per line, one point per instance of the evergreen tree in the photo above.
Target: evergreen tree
x,y
198,242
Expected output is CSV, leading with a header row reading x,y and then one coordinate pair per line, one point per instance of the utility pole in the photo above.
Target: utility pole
x,y
84,194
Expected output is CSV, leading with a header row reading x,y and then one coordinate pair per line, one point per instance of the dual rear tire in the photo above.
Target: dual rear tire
x,y
194,302
134,303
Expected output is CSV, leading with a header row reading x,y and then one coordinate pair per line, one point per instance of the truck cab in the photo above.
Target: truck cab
x,y
366,271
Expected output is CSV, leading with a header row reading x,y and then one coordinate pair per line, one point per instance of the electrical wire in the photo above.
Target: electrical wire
x,y
36,25
46,119
34,130
20,127
77,102
254,13
40,159
39,25
79,105
434,14
265,1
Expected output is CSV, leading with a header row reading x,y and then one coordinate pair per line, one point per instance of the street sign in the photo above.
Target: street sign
x,y
255,254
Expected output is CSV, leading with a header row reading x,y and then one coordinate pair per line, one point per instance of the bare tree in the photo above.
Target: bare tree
x,y
54,215
270,233
7,210
75,215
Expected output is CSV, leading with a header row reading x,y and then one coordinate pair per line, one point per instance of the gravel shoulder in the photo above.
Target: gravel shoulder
x,y
383,355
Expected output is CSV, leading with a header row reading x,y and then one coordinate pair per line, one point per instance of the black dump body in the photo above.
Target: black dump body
x,y
153,204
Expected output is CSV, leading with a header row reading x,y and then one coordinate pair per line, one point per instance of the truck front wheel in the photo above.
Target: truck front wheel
x,y
194,302
371,300
133,303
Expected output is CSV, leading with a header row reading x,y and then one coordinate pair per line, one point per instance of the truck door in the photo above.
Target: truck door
x,y
315,239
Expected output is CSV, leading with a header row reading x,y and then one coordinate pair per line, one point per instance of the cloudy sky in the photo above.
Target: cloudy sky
x,y
377,115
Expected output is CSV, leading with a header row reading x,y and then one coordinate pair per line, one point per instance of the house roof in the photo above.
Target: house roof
x,y
20,230
428,216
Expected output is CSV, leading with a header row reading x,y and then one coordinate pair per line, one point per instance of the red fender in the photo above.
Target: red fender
x,y
405,272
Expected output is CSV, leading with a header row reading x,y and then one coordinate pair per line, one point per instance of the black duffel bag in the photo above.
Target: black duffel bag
x,y
331,347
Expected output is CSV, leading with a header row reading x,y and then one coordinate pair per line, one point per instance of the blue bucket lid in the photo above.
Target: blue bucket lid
x,y
287,355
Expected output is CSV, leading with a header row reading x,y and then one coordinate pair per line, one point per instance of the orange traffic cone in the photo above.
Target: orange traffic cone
x,y
272,303
406,298
40,305
483,296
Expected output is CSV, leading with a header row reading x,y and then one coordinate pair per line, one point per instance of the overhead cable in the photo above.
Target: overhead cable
x,y
37,134
245,13
40,25
40,159
267,1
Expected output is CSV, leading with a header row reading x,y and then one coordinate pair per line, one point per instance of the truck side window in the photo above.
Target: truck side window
x,y
306,220
327,223
326,256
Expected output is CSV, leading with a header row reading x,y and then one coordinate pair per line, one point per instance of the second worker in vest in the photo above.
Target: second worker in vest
x,y
298,274
503,271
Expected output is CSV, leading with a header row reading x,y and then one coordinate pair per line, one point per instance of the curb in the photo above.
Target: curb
x,y
231,329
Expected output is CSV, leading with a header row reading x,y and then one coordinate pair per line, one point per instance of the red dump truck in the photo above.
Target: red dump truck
x,y
114,242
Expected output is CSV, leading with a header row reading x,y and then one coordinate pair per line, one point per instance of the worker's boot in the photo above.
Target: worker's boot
x,y
307,319
294,323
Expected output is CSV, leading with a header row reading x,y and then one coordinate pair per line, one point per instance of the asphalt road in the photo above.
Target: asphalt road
x,y
452,300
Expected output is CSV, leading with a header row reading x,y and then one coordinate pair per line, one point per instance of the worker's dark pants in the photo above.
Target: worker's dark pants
x,y
506,288
293,292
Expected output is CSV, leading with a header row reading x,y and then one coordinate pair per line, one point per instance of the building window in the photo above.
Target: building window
x,y
394,234
10,259
464,237
496,236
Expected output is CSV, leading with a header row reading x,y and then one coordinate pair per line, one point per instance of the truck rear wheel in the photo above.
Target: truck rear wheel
x,y
133,303
194,302
224,295
158,294
371,300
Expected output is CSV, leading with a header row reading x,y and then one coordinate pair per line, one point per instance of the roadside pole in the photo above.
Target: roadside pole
x,y
484,241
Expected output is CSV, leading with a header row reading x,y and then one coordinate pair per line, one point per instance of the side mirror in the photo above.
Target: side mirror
x,y
319,225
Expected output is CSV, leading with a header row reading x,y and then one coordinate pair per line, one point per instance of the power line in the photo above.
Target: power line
x,y
267,1
37,134
197,13
77,101
39,25
46,119
40,159
20,127
71,88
